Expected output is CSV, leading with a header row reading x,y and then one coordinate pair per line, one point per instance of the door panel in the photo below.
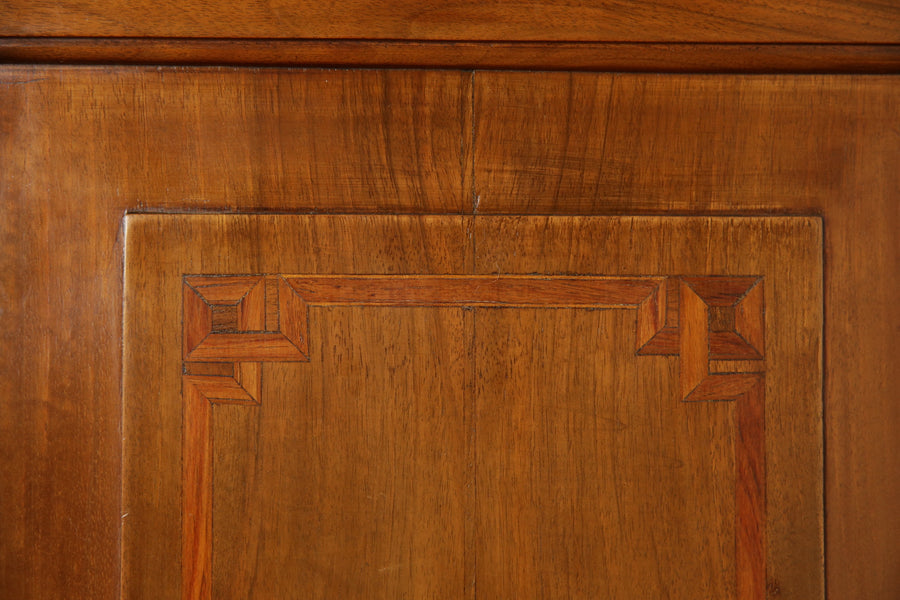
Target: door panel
x,y
83,145
370,424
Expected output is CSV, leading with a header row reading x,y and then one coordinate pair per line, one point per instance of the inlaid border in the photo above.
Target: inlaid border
x,y
714,324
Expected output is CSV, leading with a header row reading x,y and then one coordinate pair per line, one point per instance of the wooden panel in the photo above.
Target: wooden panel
x,y
593,143
435,486
598,20
589,483
152,534
82,145
595,56
199,392
729,245
265,140
351,510
584,143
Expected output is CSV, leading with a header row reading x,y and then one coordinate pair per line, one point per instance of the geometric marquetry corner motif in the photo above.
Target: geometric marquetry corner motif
x,y
243,318
231,324
715,325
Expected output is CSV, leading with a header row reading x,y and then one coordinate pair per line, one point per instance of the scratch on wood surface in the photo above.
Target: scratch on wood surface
x,y
23,82
390,568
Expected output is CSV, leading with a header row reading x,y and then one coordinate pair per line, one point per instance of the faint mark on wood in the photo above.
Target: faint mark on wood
x,y
714,324
25,82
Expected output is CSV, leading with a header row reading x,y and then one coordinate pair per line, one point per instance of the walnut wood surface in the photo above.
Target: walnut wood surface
x,y
682,57
620,143
82,145
250,337
153,534
550,245
161,248
613,143
361,140
872,21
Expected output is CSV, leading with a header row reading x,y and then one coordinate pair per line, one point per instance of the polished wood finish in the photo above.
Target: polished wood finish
x,y
601,144
321,141
170,242
376,530
805,21
83,145
80,148
587,143
242,340
517,244
683,57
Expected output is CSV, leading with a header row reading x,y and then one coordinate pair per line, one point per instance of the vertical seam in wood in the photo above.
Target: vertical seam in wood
x,y
122,240
470,559
476,200
823,362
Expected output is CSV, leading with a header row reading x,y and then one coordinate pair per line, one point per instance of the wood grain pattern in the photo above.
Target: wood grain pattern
x,y
200,392
245,337
874,21
245,344
152,534
558,246
600,143
154,241
589,481
611,144
750,510
697,338
280,140
349,479
629,57
83,145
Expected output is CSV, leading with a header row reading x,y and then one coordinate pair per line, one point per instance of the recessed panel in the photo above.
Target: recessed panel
x,y
377,407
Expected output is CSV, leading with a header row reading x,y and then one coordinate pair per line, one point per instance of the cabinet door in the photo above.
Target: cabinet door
x,y
423,407
488,156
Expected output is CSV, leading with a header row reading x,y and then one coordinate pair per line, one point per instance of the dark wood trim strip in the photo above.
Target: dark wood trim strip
x,y
576,56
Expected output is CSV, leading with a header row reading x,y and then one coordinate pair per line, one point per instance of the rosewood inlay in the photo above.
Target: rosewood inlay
x,y
715,325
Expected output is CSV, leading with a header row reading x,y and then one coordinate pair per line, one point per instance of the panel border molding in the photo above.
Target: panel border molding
x,y
714,325
624,57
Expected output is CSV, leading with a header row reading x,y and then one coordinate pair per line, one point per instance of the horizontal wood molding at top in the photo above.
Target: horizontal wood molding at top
x,y
233,323
673,57
803,21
